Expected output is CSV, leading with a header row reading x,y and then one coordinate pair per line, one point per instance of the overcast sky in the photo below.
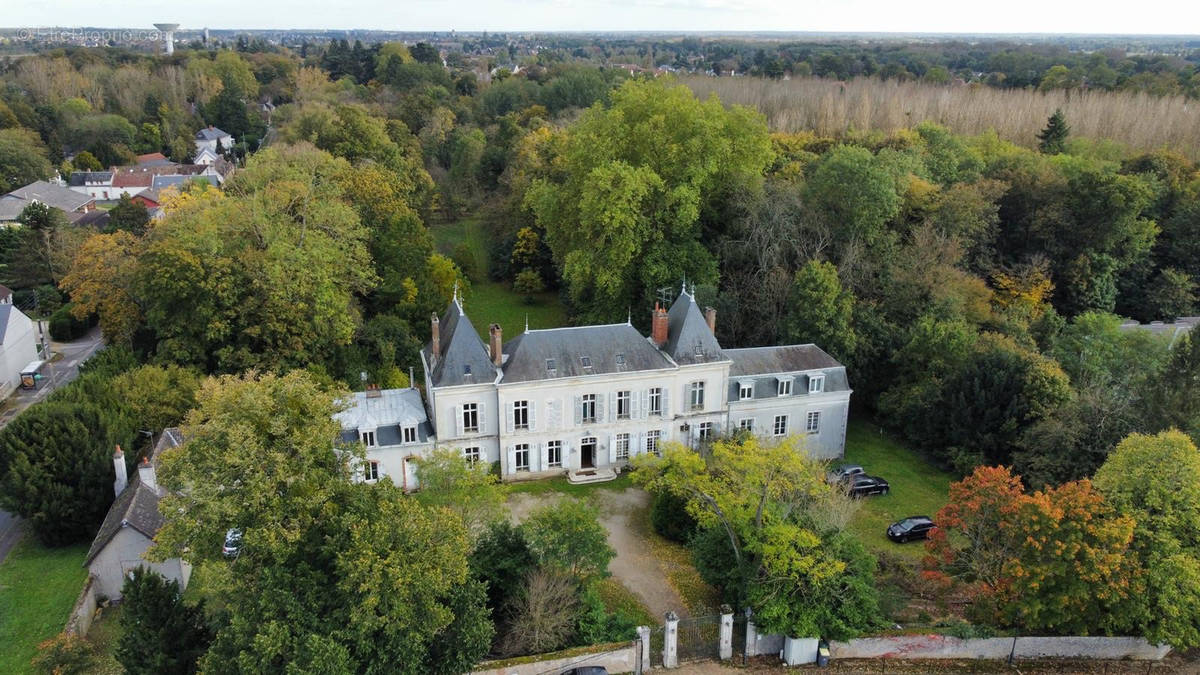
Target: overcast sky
x,y
958,16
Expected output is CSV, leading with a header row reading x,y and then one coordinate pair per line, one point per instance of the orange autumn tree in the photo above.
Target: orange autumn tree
x,y
1053,561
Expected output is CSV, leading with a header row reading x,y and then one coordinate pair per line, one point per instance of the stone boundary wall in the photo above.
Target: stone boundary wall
x,y
84,611
945,647
622,659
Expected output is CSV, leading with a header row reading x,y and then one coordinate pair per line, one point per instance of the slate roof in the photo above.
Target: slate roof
x,y
391,407
210,134
6,310
689,340
142,176
784,359
137,505
461,350
528,352
82,178
13,203
96,219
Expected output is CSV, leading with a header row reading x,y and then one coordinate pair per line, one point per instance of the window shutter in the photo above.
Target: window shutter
x,y
612,406
600,408
479,408
532,416
645,397
612,449
543,460
640,446
578,410
458,421
666,408
510,464
508,417
635,405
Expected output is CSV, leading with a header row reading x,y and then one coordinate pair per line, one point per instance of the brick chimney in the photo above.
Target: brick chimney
x,y
435,344
710,318
119,467
497,356
373,391
146,474
658,326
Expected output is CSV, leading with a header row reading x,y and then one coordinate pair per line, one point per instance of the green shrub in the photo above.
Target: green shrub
x,y
64,654
64,327
669,516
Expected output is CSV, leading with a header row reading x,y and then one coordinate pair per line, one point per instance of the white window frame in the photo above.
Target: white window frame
x,y
368,438
586,401
745,391
705,431
781,425
696,395
519,450
784,386
624,404
816,384
472,455
622,449
409,434
470,418
652,440
654,407
554,454
371,471
521,415
812,422
746,424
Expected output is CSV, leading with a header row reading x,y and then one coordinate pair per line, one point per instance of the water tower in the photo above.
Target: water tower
x,y
168,30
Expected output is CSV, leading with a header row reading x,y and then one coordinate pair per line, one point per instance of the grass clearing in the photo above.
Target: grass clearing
x,y
104,635
561,485
38,588
918,488
620,600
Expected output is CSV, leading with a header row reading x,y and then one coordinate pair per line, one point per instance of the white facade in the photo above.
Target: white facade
x,y
392,426
124,553
18,346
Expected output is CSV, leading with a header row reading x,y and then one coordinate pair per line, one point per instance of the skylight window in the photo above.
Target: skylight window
x,y
586,361
620,362
551,366
467,370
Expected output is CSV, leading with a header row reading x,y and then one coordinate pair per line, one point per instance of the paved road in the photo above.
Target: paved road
x,y
58,374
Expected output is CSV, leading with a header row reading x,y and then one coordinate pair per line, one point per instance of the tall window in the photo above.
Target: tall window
x,y
521,457
652,438
746,424
471,455
781,425
410,434
554,453
706,431
622,446
785,387
470,413
371,471
813,423
816,384
521,415
589,408
655,406
746,390
368,438
696,395
622,405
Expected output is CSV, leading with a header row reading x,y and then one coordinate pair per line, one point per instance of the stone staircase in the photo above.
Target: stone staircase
x,y
591,476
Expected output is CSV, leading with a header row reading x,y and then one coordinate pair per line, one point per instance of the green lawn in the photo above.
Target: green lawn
x,y
918,488
38,588
562,485
490,302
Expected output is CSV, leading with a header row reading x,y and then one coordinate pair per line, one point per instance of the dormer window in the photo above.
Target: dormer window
x,y
586,362
620,362
745,391
410,434
551,367
368,438
816,384
467,370
785,386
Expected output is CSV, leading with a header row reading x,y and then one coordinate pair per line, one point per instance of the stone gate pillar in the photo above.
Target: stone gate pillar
x,y
671,641
726,645
751,635
643,648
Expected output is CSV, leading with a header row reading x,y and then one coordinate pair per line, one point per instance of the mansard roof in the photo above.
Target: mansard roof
x,y
612,348
689,339
782,359
463,358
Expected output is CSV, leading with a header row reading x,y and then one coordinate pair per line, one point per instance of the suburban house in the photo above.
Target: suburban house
x,y
208,138
131,523
393,426
1171,331
583,401
18,345
97,184
65,199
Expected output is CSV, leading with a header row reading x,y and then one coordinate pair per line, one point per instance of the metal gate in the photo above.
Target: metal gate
x,y
739,638
656,647
699,638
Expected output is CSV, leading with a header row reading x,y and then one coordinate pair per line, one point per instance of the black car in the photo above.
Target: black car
x,y
586,670
912,527
861,485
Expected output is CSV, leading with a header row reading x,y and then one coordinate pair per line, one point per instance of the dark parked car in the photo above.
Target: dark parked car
x,y
912,527
861,485
840,472
233,543
586,670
